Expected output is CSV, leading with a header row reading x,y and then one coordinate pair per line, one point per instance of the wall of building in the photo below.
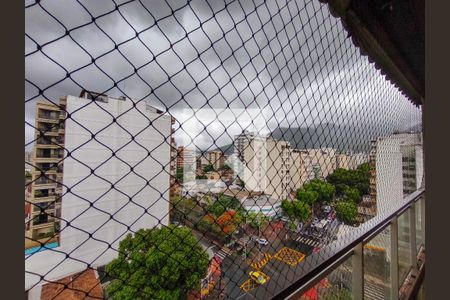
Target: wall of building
x,y
76,204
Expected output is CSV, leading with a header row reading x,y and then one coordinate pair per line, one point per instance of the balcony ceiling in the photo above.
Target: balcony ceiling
x,y
392,34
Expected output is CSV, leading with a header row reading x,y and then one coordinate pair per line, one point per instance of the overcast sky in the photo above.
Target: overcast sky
x,y
290,62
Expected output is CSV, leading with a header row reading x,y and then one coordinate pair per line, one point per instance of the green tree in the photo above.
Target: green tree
x,y
324,189
346,211
223,204
359,179
208,168
288,208
302,210
179,175
307,196
225,167
163,263
256,220
352,194
296,210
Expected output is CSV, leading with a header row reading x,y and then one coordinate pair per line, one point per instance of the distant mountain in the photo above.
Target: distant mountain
x,y
227,149
342,137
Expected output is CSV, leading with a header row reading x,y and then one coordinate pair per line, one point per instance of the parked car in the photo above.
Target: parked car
x,y
257,277
263,242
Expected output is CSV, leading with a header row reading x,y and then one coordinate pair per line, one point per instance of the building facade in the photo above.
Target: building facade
x,y
216,158
267,167
185,157
107,167
47,171
396,165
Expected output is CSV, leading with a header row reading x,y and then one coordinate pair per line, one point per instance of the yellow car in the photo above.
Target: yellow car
x,y
257,277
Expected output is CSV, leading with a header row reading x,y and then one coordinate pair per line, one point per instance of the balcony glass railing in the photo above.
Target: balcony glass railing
x,y
381,265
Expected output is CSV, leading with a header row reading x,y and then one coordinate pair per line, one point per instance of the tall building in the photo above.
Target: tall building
x,y
114,181
216,158
324,161
301,168
267,167
412,156
185,157
351,161
240,143
396,168
46,186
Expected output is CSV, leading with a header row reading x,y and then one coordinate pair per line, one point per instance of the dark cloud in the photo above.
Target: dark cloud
x,y
290,59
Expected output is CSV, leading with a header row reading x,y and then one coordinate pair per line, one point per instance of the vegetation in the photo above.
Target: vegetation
x,y
186,208
201,177
179,175
296,210
225,167
223,204
352,194
307,196
339,294
208,168
163,263
342,179
325,191
256,220
346,211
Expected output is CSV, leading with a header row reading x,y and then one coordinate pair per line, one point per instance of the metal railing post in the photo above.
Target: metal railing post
x,y
422,217
412,236
358,272
394,259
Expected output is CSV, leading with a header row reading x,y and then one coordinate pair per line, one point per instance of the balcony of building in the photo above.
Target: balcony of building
x,y
48,156
47,129
45,116
44,182
46,142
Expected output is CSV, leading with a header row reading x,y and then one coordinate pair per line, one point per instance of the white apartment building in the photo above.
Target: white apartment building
x,y
267,167
301,170
107,167
398,168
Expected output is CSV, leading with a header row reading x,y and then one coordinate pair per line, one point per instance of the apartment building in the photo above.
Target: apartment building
x,y
201,162
106,168
186,157
216,158
47,170
324,161
412,157
351,161
396,168
267,167
301,170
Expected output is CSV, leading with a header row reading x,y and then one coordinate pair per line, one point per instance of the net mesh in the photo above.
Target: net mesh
x,y
203,149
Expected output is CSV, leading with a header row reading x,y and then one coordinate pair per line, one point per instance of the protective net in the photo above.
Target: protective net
x,y
203,149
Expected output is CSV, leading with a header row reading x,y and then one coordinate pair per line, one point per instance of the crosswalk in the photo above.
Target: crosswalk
x,y
373,291
222,253
309,241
